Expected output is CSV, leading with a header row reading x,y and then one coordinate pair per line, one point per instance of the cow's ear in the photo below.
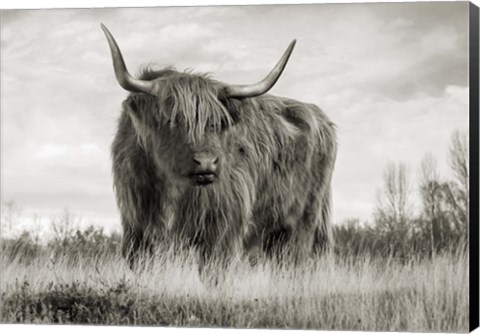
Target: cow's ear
x,y
134,113
235,115
130,106
231,105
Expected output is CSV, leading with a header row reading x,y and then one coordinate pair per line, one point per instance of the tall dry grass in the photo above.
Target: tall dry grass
x,y
330,292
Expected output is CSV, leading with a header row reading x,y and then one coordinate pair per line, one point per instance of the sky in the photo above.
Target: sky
x,y
393,78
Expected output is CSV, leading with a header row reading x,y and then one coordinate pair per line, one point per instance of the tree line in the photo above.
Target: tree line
x,y
439,221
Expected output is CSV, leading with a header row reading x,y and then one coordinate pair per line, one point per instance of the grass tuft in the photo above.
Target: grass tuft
x,y
331,292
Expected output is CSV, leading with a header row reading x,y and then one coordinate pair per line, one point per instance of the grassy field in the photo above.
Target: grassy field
x,y
326,293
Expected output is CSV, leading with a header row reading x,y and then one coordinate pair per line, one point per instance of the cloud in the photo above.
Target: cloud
x,y
62,151
393,77
48,151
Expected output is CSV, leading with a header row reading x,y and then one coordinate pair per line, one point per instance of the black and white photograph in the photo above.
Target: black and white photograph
x,y
301,166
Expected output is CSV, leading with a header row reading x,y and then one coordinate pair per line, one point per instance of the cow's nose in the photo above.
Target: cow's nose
x,y
206,163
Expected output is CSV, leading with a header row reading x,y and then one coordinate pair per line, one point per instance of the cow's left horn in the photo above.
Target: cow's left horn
x,y
123,77
266,84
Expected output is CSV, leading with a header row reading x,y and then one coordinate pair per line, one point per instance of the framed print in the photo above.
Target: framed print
x,y
300,166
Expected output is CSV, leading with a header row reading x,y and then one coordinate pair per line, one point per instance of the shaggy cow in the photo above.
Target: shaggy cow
x,y
222,167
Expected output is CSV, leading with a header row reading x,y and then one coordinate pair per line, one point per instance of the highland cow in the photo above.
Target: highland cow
x,y
224,168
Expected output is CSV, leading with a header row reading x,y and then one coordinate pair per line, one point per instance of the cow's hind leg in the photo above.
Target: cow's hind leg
x,y
312,230
275,243
267,243
302,239
324,240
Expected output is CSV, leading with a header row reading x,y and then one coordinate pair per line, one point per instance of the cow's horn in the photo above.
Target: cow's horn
x,y
266,84
123,77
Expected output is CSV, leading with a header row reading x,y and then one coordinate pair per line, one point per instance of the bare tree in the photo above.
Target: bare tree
x,y
394,209
36,228
432,191
63,225
458,190
459,158
10,217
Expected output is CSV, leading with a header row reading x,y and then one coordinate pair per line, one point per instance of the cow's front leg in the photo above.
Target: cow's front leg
x,y
252,245
212,264
135,246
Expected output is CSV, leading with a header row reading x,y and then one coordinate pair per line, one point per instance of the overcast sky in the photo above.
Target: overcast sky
x,y
393,77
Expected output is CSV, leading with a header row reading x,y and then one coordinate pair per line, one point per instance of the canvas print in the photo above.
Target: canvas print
x,y
274,166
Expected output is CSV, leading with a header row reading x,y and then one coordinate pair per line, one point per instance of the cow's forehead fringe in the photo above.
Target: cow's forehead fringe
x,y
189,98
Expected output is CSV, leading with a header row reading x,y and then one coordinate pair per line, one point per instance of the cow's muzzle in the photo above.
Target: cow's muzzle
x,y
205,168
203,178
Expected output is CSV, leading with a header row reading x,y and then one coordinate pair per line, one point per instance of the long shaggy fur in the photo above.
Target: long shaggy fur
x,y
277,159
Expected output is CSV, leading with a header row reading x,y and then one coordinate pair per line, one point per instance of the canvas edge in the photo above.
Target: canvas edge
x,y
474,165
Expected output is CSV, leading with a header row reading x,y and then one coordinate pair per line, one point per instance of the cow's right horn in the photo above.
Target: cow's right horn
x,y
123,77
243,91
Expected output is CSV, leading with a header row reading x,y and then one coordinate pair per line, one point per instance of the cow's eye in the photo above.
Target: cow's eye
x,y
241,150
169,123
174,123
217,127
